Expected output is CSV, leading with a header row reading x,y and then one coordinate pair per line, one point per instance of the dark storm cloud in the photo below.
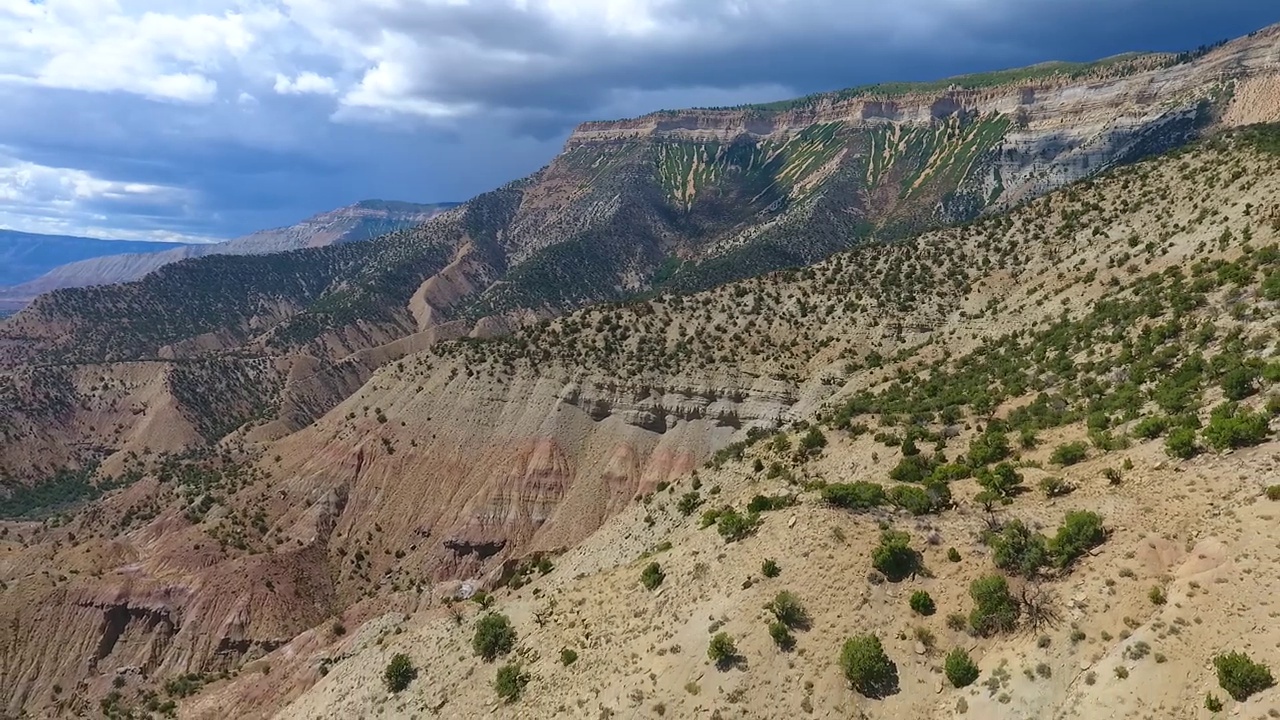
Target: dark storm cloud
x,y
438,101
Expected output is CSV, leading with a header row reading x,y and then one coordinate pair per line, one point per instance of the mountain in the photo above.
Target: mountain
x,y
1076,337
686,200
241,483
361,221
26,256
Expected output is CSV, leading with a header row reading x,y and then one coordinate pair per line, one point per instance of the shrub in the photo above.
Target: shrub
x,y
1003,480
494,636
1157,595
568,657
995,610
1181,443
689,502
990,447
1019,550
399,673
765,503
922,603
722,650
781,635
813,441
1238,383
1273,492
788,610
652,576
854,496
1231,427
953,555
1080,532
1027,438
769,568
989,500
1240,676
1069,453
912,499
709,517
949,472
894,556
1054,486
1212,703
733,525
867,668
912,469
1150,428
961,670
510,682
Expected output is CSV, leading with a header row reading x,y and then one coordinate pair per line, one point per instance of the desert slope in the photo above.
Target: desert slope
x,y
464,461
1158,259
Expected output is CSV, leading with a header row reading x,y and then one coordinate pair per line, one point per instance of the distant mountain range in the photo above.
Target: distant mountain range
x,y
27,256
34,264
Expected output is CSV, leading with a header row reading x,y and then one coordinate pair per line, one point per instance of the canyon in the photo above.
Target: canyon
x,y
207,471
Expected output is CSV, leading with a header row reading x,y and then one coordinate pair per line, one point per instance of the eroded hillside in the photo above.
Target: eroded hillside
x,y
1073,318
1095,429
683,200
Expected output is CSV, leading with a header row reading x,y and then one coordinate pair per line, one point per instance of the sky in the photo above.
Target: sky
x,y
208,119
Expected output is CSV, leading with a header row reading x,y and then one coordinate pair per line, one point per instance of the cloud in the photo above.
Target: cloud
x,y
241,114
101,47
42,198
306,83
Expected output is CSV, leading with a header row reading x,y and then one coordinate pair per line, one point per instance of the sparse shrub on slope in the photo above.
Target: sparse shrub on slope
x,y
1002,480
781,635
1231,427
1240,676
652,576
1151,427
1181,443
767,503
854,496
494,636
922,603
961,670
399,673
990,447
722,650
1019,550
1080,532
510,682
788,610
995,610
894,556
1069,453
733,525
867,668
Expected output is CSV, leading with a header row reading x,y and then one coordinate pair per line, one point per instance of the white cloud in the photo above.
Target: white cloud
x,y
101,47
30,183
306,83
44,199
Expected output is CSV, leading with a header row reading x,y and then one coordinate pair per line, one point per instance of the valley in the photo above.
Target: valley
x,y
599,401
